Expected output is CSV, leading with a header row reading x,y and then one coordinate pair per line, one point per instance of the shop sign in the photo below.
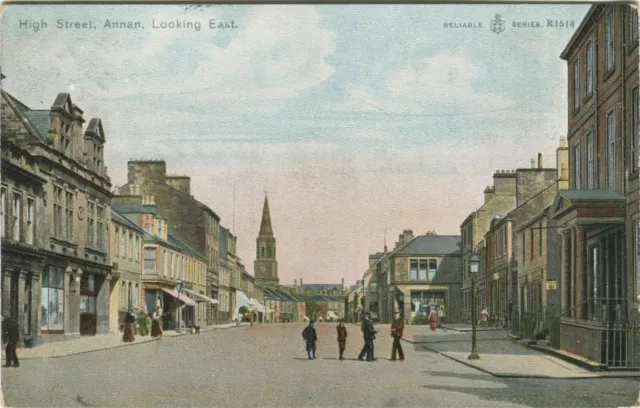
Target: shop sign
x,y
552,285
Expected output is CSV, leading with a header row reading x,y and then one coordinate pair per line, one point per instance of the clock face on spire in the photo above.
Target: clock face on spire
x,y
263,270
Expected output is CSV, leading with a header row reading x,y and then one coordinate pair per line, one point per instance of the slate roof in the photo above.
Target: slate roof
x,y
432,245
21,110
184,247
40,119
591,195
115,216
138,209
316,287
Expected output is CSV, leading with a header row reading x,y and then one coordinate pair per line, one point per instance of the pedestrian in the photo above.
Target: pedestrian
x,y
369,335
433,319
397,328
310,338
143,322
156,329
129,330
342,338
363,351
484,317
11,337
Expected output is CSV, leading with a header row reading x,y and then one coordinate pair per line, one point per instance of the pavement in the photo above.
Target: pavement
x,y
89,344
266,366
501,357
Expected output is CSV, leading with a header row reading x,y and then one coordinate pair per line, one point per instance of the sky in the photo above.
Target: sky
x,y
355,119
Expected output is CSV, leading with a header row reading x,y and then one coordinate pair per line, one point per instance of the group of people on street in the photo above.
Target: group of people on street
x,y
369,332
129,334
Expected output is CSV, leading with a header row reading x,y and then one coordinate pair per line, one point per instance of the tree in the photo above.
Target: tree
x,y
312,309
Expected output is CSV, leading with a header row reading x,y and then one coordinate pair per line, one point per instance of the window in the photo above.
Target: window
x,y
17,216
117,243
65,138
634,25
150,259
136,296
91,225
100,228
635,127
165,269
160,231
173,266
414,270
31,221
433,268
123,295
3,211
576,83
611,149
591,168
57,212
147,223
123,244
88,294
540,238
531,244
589,68
52,305
373,287
577,174
97,155
130,254
69,216
524,247
423,270
611,54
130,296
137,249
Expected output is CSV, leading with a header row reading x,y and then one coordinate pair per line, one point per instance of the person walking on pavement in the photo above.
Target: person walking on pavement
x,y
129,330
143,321
156,329
363,352
342,338
310,338
10,336
397,328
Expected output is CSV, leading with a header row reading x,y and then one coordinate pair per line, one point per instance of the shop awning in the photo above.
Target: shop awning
x,y
257,306
242,300
183,298
200,297
332,314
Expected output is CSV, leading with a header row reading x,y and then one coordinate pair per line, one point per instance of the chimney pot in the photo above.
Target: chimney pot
x,y
563,141
539,160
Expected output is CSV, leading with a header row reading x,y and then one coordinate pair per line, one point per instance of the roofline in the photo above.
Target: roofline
x,y
25,120
580,30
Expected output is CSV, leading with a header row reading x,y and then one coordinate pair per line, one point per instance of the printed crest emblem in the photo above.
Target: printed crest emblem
x,y
497,24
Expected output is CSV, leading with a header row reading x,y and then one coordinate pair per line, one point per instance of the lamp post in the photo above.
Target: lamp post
x,y
179,288
474,264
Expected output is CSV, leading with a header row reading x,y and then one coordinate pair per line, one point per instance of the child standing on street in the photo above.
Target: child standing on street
x,y
310,338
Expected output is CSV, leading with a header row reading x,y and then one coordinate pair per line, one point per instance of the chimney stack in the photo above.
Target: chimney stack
x,y
539,160
564,173
563,141
301,282
295,282
342,283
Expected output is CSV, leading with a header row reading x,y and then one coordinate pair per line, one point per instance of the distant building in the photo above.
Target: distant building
x,y
266,264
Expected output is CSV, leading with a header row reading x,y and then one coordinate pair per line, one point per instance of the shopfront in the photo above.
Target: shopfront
x,y
424,301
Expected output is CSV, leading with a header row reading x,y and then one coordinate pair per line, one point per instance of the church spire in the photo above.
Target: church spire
x,y
265,225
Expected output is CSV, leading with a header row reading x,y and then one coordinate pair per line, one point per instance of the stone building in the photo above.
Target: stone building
x,y
424,274
536,188
126,243
599,215
353,306
266,264
167,260
68,295
189,220
225,310
499,199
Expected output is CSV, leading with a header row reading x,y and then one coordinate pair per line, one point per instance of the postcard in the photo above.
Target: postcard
x,y
286,205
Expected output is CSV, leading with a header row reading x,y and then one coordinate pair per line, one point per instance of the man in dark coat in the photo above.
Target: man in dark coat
x,y
342,338
10,336
397,328
310,338
369,335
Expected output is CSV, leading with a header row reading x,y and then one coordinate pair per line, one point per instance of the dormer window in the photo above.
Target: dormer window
x,y
160,230
65,137
97,156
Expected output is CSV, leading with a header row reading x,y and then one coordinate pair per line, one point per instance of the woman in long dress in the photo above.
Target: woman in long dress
x,y
129,330
156,331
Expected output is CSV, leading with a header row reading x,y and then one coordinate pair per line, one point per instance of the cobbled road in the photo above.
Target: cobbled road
x,y
267,366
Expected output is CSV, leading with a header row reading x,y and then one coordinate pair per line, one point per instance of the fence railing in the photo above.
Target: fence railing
x,y
603,323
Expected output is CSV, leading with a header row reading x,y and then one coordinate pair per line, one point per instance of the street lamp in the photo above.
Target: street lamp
x,y
179,288
474,265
